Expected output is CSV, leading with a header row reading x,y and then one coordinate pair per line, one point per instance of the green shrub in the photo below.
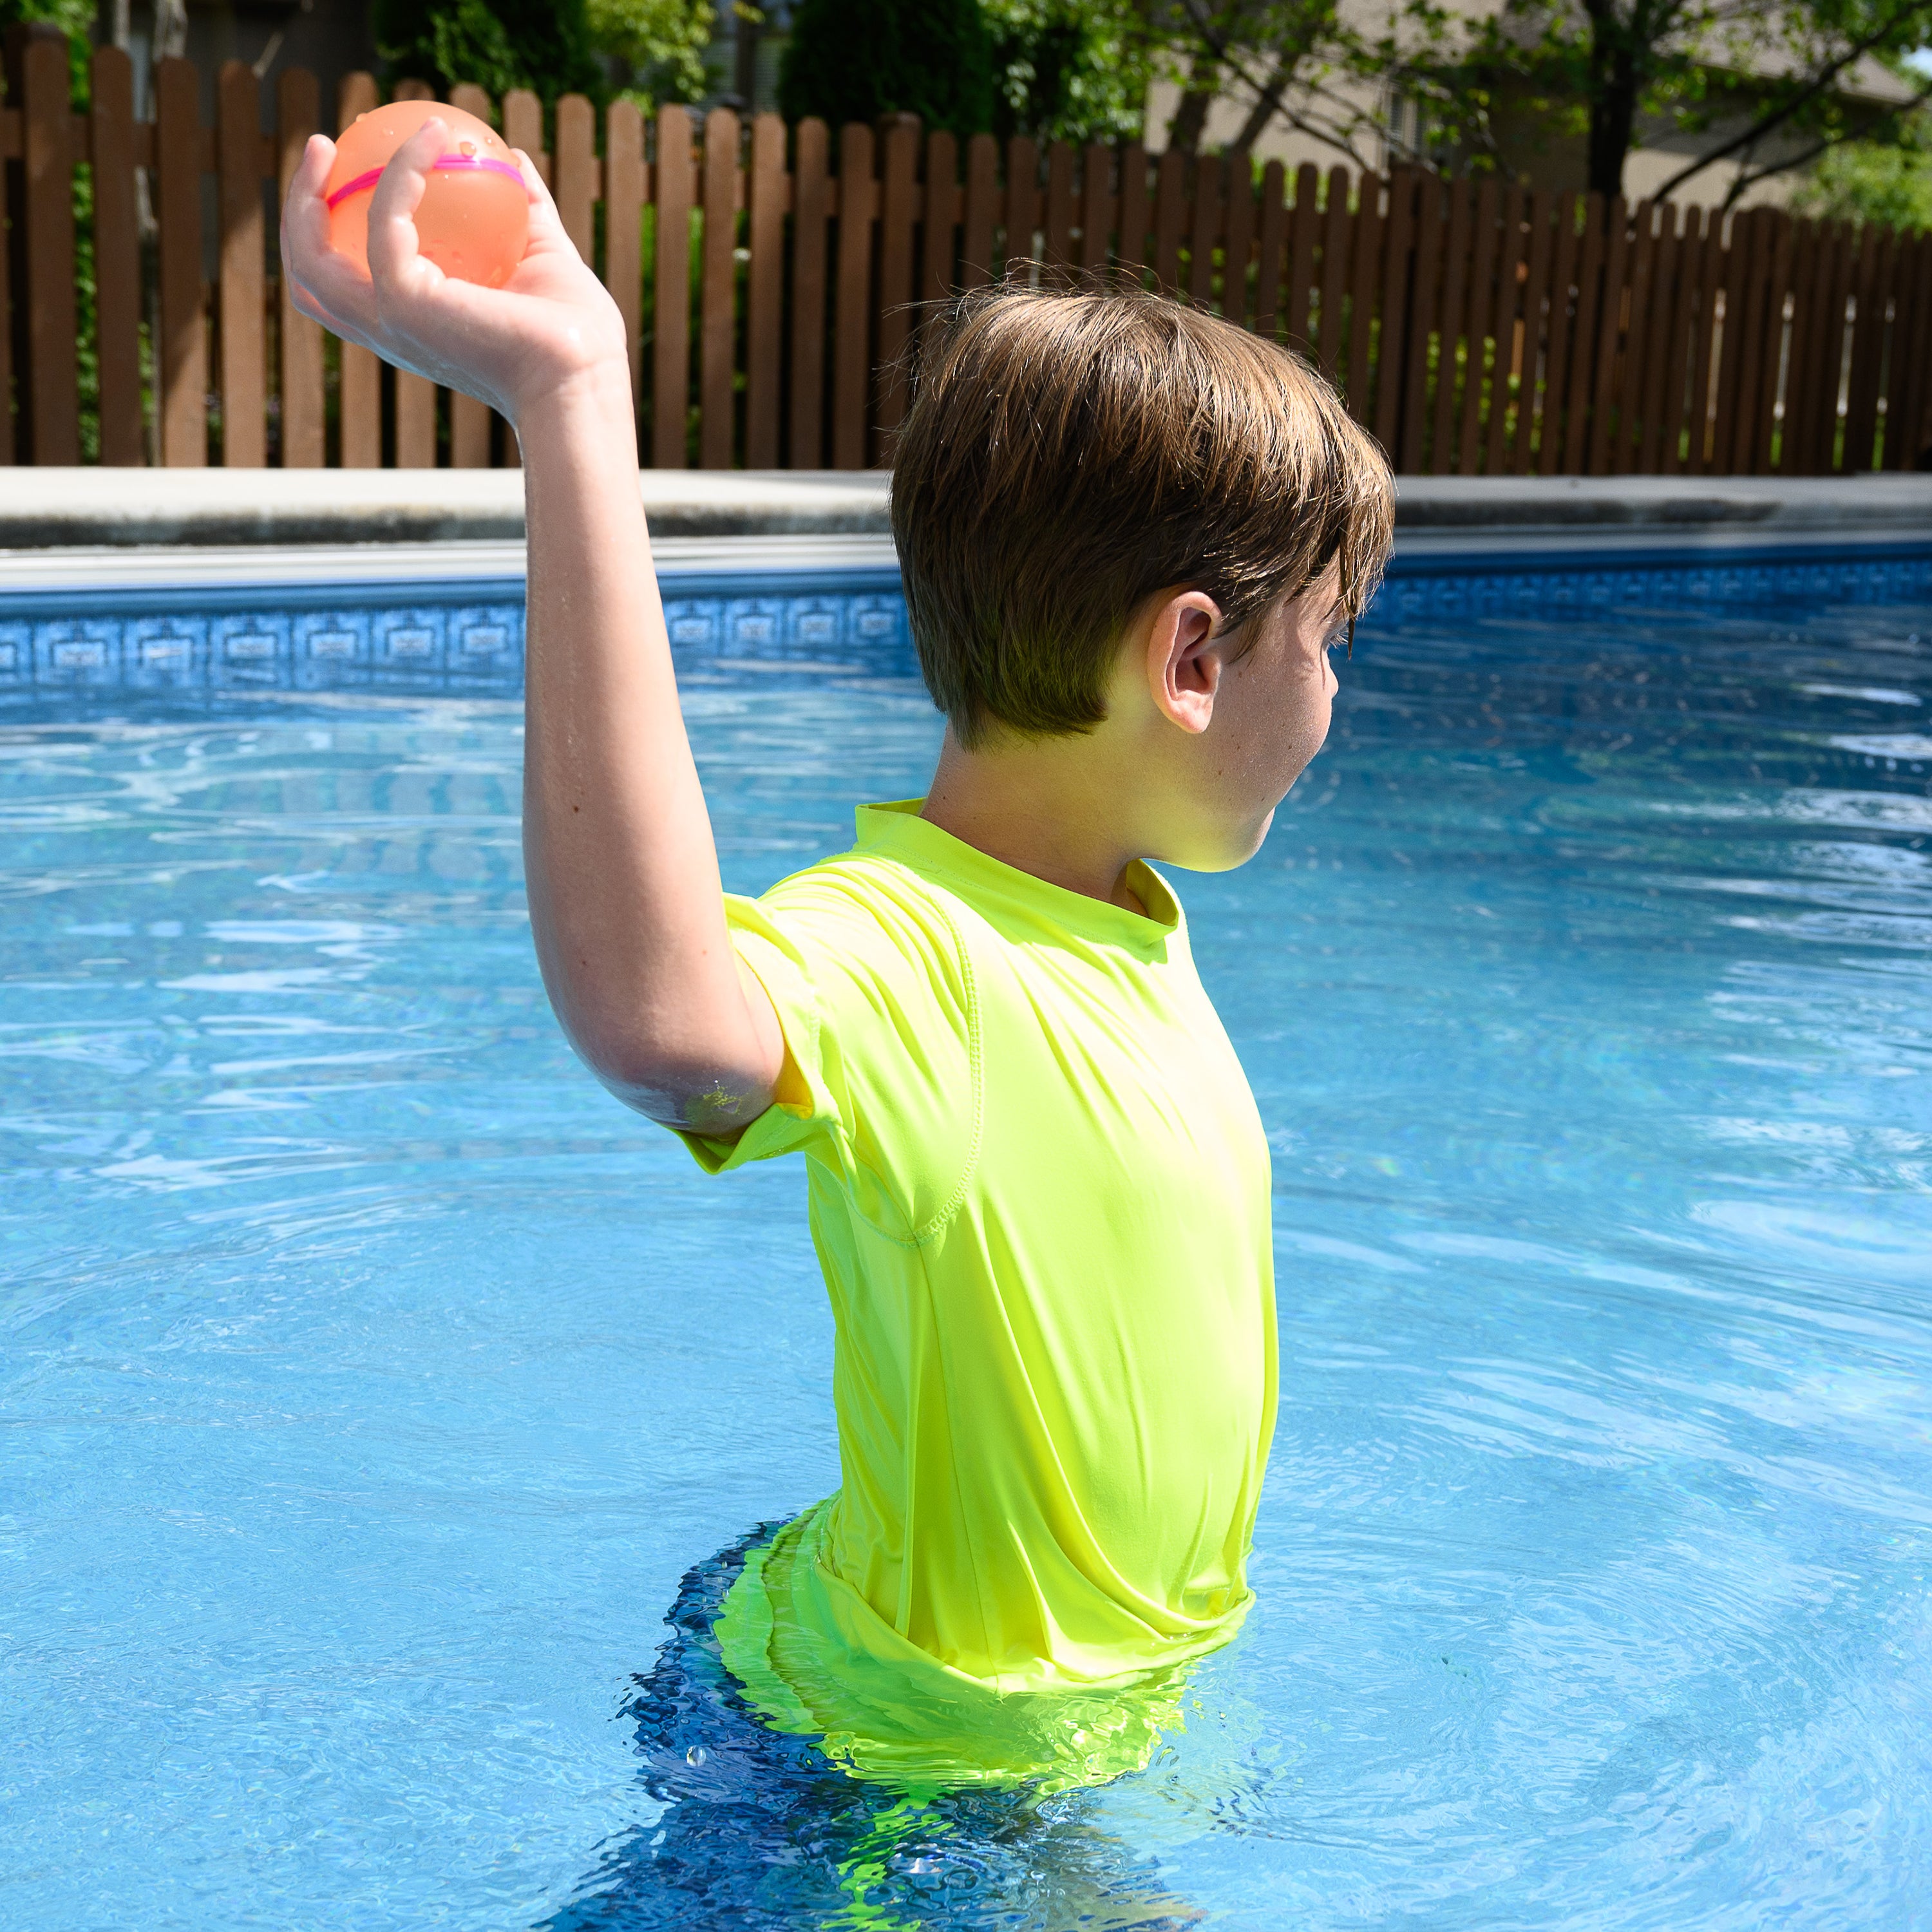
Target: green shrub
x,y
854,60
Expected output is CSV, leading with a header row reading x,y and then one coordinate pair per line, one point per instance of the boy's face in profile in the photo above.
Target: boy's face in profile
x,y
1241,727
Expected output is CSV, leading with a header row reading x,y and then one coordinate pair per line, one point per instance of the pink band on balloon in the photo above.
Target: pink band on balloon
x,y
369,177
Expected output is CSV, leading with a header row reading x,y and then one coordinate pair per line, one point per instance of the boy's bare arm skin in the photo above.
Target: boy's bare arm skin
x,y
622,873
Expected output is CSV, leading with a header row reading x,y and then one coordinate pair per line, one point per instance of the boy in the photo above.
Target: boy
x,y
1040,1189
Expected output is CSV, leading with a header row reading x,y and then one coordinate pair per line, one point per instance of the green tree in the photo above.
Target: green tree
x,y
1766,81
1071,69
1286,56
656,47
854,60
543,45
1889,182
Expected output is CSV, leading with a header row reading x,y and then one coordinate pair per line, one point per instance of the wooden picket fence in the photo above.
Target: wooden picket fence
x,y
770,280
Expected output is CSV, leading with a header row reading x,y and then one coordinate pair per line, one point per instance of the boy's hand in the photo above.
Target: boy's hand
x,y
513,347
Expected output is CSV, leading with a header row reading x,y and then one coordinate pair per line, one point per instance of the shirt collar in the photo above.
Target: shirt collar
x,y
896,829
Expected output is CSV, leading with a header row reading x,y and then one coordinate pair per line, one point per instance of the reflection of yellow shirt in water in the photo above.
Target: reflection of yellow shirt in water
x,y
1040,1193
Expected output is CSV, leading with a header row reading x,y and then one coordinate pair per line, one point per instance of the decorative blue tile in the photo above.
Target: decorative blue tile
x,y
408,646
331,649
695,623
168,653
250,650
78,654
17,656
486,647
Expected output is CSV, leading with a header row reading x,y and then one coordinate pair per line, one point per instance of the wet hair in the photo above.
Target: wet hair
x,y
1067,454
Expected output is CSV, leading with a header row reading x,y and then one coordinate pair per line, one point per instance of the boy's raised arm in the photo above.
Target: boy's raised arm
x,y
624,901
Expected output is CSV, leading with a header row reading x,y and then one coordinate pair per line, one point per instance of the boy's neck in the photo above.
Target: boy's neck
x,y
1050,807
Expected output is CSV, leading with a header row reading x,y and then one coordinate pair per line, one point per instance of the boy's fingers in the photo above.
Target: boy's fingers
x,y
393,250
327,287
547,230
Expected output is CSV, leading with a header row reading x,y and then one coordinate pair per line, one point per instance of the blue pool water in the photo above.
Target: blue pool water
x,y
374,1386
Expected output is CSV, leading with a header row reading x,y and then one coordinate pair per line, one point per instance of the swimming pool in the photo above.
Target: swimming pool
x,y
372,1380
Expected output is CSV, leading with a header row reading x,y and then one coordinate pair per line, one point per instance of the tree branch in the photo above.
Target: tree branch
x,y
1819,82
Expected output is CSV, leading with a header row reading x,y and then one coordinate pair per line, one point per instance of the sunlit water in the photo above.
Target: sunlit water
x,y
371,1380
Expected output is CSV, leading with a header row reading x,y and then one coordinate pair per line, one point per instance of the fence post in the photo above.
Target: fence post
x,y
183,349
239,158
297,110
898,210
470,419
624,194
851,333
359,394
670,382
718,293
117,259
50,395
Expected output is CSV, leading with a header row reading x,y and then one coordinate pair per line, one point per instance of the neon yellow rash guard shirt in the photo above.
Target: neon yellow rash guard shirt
x,y
1040,1193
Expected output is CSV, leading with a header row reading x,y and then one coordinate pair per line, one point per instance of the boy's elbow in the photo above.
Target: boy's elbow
x,y
696,1092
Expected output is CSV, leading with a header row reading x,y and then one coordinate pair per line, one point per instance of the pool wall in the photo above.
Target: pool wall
x,y
163,600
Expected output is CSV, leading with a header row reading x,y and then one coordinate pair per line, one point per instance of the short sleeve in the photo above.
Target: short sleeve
x,y
872,989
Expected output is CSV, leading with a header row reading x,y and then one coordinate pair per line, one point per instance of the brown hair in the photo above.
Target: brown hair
x,y
1067,455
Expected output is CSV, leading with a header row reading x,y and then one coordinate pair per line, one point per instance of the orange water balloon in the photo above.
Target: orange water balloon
x,y
474,221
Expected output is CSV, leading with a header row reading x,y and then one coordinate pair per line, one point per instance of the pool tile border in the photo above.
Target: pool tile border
x,y
465,638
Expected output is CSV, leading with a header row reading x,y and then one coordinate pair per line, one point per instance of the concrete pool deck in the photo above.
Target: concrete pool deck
x,y
101,528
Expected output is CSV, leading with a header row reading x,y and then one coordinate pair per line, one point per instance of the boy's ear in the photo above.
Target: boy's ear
x,y
1184,659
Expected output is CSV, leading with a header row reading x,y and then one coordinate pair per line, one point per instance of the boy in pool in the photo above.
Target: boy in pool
x,y
1130,534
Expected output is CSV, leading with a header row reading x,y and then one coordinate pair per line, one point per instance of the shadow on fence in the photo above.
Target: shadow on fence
x,y
1476,328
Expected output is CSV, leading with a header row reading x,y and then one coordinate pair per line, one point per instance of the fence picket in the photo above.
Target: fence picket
x,y
117,259
1905,450
1533,360
1423,293
1059,223
899,210
1335,230
468,419
1170,220
1580,384
1455,297
851,333
1482,291
1364,287
939,223
626,193
1607,337
1392,355
1097,209
1673,411
1273,239
1301,257
982,200
184,344
1237,245
1022,203
811,212
1509,240
1561,336
671,316
49,396
1131,254
1867,350
1755,272
1642,437
1204,230
717,292
238,145
764,291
